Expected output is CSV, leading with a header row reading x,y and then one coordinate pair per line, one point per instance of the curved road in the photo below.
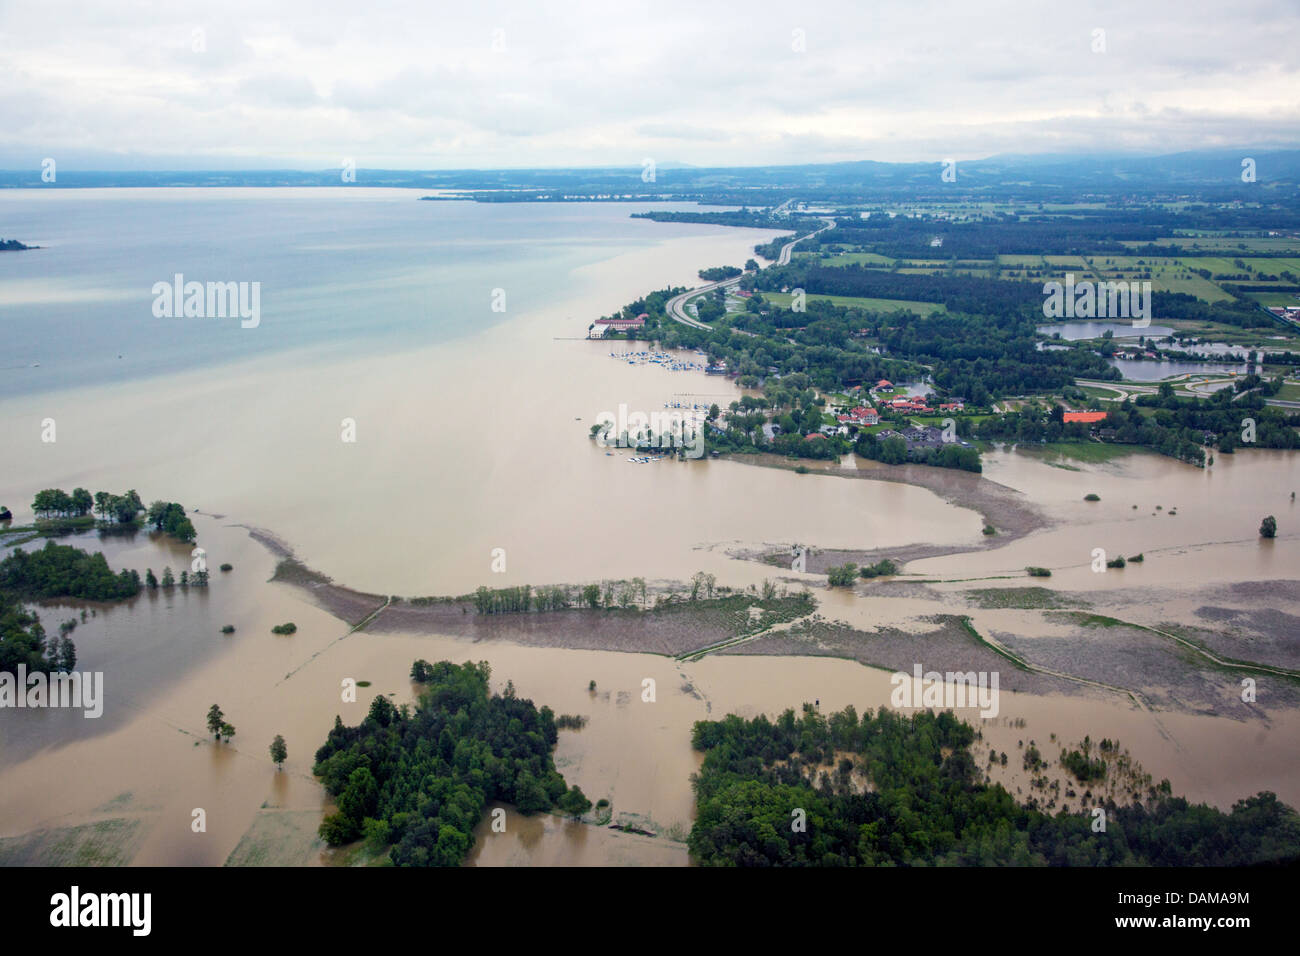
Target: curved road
x,y
676,306
1187,385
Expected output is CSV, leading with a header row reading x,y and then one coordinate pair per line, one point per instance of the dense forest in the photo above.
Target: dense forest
x,y
60,570
908,237
1003,297
783,794
419,780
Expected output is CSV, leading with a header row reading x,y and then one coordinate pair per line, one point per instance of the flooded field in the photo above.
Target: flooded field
x,y
1073,331
1142,371
147,765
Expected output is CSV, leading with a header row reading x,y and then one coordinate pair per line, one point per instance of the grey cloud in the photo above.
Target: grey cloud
x,y
583,82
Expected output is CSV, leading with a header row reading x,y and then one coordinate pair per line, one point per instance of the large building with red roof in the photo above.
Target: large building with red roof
x,y
862,415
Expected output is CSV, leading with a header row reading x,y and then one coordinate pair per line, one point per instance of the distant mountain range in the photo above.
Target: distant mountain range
x,y
1200,170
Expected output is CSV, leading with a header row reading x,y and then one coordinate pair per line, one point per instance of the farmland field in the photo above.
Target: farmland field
x,y
876,305
1224,243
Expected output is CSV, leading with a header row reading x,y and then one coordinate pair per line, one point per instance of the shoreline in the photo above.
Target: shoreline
x,y
1009,511
722,626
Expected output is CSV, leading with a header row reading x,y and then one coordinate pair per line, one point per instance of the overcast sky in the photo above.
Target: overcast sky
x,y
498,84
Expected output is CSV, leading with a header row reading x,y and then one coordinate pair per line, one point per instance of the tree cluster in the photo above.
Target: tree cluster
x,y
420,779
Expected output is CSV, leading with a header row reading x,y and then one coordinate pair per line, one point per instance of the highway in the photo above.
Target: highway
x,y
1187,385
676,306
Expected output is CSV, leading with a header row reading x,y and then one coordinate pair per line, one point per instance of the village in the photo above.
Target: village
x,y
893,403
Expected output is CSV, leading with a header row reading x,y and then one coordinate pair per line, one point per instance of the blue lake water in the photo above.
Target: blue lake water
x,y
340,271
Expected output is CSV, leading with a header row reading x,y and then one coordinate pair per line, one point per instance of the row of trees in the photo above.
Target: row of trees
x,y
57,503
524,598
120,508
188,579
51,503
166,516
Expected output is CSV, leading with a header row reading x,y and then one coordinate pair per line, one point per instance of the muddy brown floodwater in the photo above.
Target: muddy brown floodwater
x,y
482,444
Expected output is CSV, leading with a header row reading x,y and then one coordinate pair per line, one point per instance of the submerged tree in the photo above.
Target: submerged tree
x,y
574,802
279,752
215,721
